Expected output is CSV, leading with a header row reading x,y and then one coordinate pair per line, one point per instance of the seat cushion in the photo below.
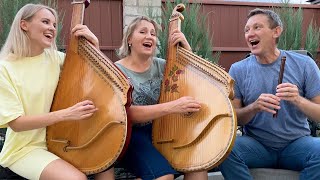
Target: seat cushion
x,y
274,174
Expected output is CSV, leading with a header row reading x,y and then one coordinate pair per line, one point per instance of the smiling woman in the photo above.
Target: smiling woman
x,y
28,94
146,72
43,24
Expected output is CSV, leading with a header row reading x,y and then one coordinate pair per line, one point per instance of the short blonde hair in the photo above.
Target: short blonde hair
x,y
18,41
125,50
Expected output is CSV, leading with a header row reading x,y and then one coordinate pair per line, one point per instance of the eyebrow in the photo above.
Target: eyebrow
x,y
47,19
254,24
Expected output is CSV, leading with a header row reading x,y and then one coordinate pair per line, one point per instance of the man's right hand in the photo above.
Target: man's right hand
x,y
267,102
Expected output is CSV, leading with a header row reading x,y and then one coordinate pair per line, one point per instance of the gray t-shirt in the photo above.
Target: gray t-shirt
x,y
146,84
253,78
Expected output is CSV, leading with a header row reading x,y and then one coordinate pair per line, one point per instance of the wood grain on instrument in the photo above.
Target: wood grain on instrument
x,y
92,145
201,140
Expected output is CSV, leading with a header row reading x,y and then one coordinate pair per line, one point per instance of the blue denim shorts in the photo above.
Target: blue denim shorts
x,y
142,158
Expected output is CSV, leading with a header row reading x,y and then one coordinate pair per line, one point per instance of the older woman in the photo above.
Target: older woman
x,y
145,73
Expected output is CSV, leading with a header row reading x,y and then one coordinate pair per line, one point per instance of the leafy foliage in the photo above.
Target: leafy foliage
x,y
194,27
291,38
9,9
312,39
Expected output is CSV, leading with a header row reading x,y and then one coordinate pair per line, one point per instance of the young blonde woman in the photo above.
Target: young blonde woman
x,y
29,73
145,73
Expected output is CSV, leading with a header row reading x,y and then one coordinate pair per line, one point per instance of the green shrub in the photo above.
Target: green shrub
x,y
194,27
291,38
9,9
312,39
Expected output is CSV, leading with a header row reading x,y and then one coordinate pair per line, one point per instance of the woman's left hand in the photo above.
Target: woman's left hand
x,y
83,30
178,37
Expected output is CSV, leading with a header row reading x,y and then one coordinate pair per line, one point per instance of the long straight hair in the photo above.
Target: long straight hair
x,y
18,42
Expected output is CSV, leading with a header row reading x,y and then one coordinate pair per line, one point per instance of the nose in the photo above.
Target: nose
x,y
249,33
149,35
52,28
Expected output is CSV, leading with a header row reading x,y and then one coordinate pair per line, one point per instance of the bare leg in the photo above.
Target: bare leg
x,y
60,169
202,175
166,177
106,175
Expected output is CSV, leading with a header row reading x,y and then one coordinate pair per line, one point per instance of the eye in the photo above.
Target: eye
x,y
153,33
246,30
45,21
257,27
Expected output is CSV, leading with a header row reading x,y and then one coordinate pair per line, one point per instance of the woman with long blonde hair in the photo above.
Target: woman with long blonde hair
x,y
29,72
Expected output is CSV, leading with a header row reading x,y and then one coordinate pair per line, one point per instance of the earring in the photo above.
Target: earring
x,y
129,45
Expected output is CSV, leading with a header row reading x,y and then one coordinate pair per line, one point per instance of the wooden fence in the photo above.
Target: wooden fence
x,y
226,21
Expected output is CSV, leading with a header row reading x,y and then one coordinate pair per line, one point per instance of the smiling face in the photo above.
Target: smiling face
x,y
41,30
259,35
143,39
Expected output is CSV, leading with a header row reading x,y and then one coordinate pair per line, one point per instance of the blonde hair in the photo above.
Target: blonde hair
x,y
18,42
125,50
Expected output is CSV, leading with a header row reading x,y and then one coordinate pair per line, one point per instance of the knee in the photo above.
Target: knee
x,y
166,177
77,176
81,176
196,175
314,153
232,160
315,158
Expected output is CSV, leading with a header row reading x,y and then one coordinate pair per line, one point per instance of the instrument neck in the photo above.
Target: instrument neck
x,y
174,24
77,18
77,14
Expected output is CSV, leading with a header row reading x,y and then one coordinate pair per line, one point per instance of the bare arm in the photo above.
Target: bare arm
x,y
141,114
265,102
310,108
244,114
79,111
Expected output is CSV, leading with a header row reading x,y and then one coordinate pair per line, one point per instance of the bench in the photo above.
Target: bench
x,y
120,173
260,174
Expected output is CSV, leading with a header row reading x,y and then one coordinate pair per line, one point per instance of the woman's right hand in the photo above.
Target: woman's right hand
x,y
178,37
184,104
78,111
83,30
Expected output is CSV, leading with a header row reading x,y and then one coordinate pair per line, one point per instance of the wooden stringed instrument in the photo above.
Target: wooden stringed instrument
x,y
92,145
201,140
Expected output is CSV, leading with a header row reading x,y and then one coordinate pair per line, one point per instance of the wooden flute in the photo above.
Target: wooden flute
x,y
283,62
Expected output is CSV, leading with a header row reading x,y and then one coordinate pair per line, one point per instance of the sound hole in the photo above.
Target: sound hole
x,y
188,114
